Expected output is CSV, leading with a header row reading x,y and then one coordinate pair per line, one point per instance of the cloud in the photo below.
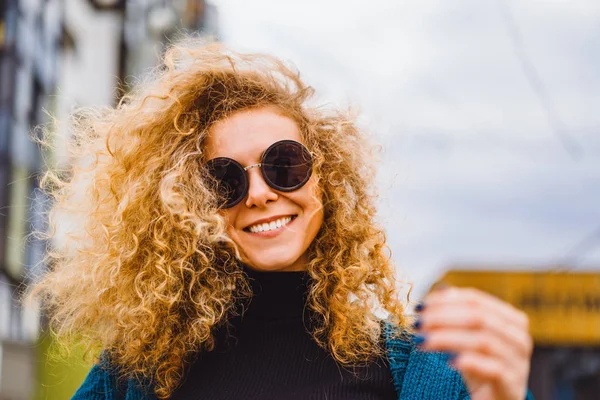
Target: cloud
x,y
474,167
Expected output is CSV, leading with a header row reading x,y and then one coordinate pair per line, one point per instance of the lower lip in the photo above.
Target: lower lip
x,y
274,232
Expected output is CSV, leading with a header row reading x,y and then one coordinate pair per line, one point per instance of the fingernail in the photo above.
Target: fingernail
x,y
419,340
420,307
417,324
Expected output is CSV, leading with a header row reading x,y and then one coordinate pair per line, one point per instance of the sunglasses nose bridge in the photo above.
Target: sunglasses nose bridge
x,y
252,166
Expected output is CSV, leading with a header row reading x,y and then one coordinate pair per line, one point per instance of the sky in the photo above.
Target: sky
x,y
488,113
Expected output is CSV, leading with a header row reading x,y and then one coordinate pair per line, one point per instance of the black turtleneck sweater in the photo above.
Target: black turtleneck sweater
x,y
269,354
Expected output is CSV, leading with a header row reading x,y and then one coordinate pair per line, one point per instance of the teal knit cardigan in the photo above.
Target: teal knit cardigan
x,y
417,375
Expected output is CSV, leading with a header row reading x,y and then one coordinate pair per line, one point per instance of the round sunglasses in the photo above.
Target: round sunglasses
x,y
285,166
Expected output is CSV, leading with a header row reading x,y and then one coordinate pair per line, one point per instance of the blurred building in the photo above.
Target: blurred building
x,y
100,45
151,24
56,55
30,42
112,41
564,316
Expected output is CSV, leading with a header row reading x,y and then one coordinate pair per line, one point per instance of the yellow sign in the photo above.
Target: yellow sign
x,y
563,307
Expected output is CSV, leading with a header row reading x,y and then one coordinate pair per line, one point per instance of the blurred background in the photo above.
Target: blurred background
x,y
488,112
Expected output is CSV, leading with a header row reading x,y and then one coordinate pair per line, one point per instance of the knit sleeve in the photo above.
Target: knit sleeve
x,y
464,394
95,387
421,375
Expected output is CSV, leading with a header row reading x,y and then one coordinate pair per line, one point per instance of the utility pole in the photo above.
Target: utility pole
x,y
121,7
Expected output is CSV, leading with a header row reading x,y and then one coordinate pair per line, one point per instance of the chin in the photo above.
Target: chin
x,y
273,264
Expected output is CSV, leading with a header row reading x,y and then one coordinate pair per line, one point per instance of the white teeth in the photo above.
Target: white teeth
x,y
270,226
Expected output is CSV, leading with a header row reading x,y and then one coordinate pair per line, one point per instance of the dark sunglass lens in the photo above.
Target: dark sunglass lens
x,y
287,165
231,180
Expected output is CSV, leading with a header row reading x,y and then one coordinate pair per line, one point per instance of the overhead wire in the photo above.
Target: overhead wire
x,y
536,82
573,257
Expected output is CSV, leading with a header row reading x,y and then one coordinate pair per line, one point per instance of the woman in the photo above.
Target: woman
x,y
228,249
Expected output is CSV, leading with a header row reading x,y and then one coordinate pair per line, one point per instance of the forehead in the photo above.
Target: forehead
x,y
246,134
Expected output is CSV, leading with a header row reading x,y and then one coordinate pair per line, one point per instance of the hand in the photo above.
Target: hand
x,y
488,340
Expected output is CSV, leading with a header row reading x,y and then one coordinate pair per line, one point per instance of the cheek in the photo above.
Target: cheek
x,y
319,214
313,206
230,216
313,198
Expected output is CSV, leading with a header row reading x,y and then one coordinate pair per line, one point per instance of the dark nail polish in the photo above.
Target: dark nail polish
x,y
417,324
420,307
419,340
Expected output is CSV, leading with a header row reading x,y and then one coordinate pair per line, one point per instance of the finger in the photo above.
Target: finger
x,y
459,341
479,368
476,319
478,299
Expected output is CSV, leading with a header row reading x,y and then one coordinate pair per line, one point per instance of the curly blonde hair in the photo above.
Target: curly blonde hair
x,y
149,273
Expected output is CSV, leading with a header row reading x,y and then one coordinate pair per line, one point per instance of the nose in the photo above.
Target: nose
x,y
259,193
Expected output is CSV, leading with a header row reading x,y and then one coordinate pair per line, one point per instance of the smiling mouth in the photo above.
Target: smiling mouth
x,y
270,226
